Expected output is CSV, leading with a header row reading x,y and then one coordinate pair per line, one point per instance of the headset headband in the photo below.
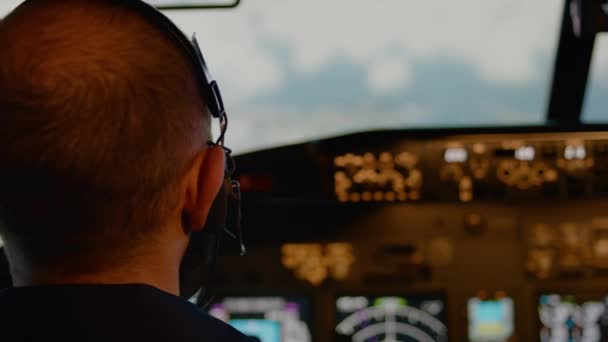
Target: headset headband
x,y
209,88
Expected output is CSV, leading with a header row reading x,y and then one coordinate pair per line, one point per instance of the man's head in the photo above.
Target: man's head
x,y
102,136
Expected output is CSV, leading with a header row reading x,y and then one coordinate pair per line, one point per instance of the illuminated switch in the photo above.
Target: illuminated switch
x,y
379,178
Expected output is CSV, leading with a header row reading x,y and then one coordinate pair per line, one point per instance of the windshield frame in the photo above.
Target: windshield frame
x,y
207,7
571,71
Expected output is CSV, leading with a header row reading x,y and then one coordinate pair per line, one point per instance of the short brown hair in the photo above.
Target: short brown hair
x,y
99,117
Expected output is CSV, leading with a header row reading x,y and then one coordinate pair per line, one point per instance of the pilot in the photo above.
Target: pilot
x,y
105,172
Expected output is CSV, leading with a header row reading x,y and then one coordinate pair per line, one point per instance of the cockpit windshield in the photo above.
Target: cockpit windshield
x,y
299,70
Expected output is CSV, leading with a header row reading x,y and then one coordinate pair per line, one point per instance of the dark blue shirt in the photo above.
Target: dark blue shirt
x,y
105,313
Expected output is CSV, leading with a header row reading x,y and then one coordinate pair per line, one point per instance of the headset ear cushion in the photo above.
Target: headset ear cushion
x,y
196,269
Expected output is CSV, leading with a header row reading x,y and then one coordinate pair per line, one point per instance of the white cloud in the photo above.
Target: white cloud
x,y
387,75
268,126
502,41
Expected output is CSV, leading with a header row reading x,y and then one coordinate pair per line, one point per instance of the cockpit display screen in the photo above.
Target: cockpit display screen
x,y
573,318
490,320
267,319
391,318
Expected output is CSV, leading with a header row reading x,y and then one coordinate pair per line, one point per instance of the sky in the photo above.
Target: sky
x,y
293,71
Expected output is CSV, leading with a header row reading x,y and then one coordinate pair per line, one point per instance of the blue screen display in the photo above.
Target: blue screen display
x,y
265,330
490,311
491,320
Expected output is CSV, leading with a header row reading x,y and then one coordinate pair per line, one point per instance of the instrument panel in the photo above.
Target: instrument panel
x,y
474,168
485,236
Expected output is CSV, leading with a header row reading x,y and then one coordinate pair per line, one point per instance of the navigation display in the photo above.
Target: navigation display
x,y
269,319
418,318
571,318
490,320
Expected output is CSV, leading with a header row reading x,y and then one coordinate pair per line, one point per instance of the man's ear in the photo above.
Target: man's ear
x,y
205,179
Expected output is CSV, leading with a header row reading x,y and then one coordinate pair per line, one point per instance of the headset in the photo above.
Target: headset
x,y
224,218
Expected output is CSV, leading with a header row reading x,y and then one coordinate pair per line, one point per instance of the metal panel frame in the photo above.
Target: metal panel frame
x,y
235,4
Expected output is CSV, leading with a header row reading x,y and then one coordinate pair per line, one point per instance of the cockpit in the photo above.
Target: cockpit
x,y
413,171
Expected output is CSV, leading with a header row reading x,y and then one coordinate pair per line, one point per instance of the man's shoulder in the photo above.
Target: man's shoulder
x,y
117,313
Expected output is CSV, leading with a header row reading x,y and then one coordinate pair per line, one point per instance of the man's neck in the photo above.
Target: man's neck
x,y
134,276
159,269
